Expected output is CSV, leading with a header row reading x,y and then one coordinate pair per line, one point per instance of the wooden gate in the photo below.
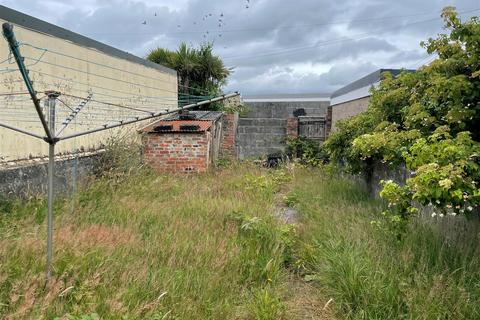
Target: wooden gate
x,y
312,128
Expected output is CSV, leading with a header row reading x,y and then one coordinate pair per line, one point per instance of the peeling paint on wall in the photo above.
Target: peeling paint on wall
x,y
75,70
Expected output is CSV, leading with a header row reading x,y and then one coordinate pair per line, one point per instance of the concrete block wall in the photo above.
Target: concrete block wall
x,y
283,110
263,129
261,136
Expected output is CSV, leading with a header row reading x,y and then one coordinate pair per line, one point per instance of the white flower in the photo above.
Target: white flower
x,y
437,201
441,215
434,215
469,208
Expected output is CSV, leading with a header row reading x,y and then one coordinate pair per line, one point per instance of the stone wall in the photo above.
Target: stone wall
x,y
454,228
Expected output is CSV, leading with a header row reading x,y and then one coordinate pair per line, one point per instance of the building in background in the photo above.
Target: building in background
x,y
263,130
354,97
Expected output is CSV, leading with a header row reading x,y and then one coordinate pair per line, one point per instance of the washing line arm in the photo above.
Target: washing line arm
x,y
156,115
6,126
15,50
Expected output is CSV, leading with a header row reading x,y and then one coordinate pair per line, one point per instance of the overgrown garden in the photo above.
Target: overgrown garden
x,y
132,244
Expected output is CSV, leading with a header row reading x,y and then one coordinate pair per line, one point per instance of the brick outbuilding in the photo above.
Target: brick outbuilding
x,y
188,142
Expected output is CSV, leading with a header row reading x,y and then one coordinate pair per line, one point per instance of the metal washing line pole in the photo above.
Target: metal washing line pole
x,y
49,127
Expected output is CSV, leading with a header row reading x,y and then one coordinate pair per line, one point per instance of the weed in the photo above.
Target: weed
x,y
291,199
267,305
368,272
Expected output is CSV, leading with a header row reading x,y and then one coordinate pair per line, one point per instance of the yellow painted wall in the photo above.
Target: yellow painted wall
x,y
109,78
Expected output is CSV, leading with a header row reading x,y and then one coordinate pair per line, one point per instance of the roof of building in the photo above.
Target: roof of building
x,y
172,123
302,97
199,115
361,88
368,80
32,23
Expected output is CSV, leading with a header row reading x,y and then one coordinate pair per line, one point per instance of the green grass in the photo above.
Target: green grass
x,y
432,273
147,246
144,246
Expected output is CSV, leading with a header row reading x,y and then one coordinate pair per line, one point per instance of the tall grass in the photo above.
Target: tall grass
x,y
139,245
367,271
148,246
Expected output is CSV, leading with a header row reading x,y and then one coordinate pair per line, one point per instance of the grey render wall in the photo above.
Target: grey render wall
x,y
262,130
383,171
454,228
31,178
348,109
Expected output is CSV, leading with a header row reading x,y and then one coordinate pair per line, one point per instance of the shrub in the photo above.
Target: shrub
x,y
122,157
426,120
308,151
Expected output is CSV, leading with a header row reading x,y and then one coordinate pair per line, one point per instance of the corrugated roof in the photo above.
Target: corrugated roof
x,y
199,115
367,81
173,123
173,126
35,24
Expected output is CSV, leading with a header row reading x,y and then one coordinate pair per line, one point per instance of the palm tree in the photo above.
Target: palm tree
x,y
200,72
162,56
212,71
186,64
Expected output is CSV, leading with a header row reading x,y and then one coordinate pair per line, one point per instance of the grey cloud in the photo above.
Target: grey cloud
x,y
275,39
316,54
284,80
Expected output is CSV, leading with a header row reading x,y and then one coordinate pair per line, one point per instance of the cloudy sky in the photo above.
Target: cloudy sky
x,y
274,46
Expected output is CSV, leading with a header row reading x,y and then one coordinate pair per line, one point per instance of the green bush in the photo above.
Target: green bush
x,y
308,151
427,120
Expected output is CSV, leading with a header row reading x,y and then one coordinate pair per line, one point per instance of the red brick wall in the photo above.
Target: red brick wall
x,y
177,152
292,127
328,127
228,147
